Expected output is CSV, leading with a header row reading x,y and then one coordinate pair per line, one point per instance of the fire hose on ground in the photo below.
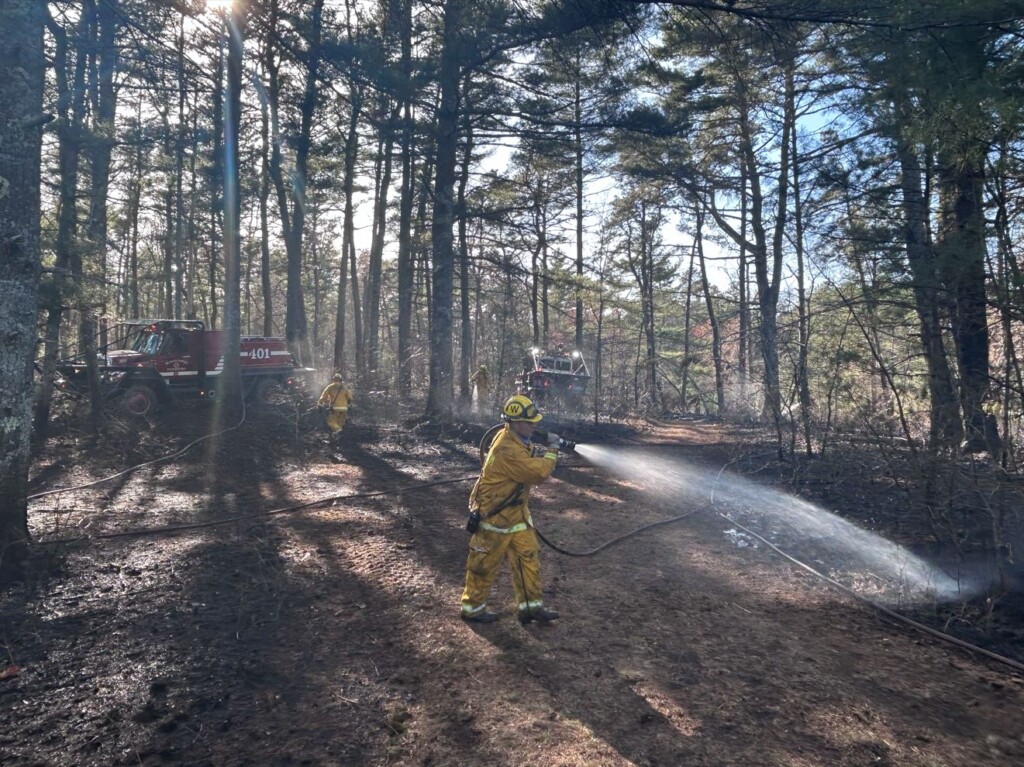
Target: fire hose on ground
x,y
173,529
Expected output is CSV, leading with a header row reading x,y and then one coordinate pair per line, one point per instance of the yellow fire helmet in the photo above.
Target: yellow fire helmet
x,y
520,408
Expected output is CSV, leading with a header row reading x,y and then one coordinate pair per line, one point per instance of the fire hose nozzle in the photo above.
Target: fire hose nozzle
x,y
549,438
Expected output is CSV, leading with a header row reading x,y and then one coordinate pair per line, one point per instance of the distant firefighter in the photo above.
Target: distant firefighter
x,y
481,379
334,402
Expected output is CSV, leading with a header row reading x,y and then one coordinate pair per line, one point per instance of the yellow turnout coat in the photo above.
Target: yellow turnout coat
x,y
511,468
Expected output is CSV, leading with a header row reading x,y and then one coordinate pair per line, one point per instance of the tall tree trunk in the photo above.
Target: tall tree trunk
x,y
179,176
293,220
768,285
133,213
466,345
100,144
348,229
216,188
535,286
962,249
421,257
167,273
716,331
296,306
599,350
21,121
440,393
577,140
1009,287
70,109
375,265
229,387
268,301
641,264
803,303
686,328
743,276
946,430
192,238
357,312
649,330
405,261
545,282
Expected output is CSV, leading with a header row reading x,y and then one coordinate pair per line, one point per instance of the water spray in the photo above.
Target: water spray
x,y
822,534
894,572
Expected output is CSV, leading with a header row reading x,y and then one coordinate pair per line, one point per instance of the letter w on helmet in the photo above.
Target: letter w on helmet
x,y
520,408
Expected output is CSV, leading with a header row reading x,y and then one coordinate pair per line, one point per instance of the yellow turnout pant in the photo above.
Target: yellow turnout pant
x,y
486,548
336,419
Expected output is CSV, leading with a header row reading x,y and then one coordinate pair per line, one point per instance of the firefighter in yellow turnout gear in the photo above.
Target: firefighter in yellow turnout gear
x,y
481,380
336,399
505,529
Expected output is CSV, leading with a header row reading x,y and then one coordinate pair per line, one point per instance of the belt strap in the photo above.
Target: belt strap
x,y
512,500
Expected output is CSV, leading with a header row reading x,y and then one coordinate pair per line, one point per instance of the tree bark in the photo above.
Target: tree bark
x,y
716,331
688,304
945,428
440,394
375,266
101,142
265,181
405,262
229,386
803,303
21,119
216,187
348,229
466,345
962,258
179,178
293,219
577,140
70,109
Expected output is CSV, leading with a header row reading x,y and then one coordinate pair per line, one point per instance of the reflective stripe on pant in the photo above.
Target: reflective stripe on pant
x,y
486,549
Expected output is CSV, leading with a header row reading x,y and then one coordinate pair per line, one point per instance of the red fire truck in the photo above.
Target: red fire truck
x,y
163,360
557,378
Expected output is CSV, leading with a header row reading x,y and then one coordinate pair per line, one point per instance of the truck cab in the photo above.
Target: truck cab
x,y
158,361
555,377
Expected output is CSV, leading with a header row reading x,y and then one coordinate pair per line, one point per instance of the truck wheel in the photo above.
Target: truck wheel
x,y
139,400
270,392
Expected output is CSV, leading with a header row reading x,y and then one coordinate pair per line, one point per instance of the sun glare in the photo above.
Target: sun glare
x,y
219,6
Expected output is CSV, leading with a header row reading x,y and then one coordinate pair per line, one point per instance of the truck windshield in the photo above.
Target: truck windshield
x,y
147,343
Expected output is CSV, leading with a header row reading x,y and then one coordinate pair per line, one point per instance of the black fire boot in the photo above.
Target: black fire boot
x,y
541,615
484,617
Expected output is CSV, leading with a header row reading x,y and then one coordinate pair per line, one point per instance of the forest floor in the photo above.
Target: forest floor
x,y
331,635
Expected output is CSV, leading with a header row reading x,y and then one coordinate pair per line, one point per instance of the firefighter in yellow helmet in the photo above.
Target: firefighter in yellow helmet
x,y
335,401
503,526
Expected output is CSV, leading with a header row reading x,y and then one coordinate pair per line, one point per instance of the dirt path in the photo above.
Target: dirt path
x,y
331,636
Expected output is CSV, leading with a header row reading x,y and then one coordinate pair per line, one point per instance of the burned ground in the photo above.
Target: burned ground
x,y
330,635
